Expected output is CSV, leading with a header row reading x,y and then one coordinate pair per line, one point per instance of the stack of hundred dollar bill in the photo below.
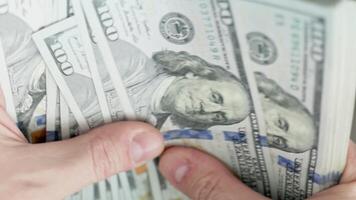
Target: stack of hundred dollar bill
x,y
267,86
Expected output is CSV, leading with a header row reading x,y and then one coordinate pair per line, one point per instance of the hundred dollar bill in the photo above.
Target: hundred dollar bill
x,y
53,123
88,193
70,8
104,190
33,12
110,189
289,65
5,84
346,89
112,100
114,79
61,9
96,192
52,110
77,196
25,68
109,99
180,62
139,186
25,71
69,126
116,188
140,183
290,54
79,71
65,118
66,58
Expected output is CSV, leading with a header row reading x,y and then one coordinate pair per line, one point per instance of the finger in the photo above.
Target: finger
x,y
73,164
201,176
6,121
349,174
342,191
11,132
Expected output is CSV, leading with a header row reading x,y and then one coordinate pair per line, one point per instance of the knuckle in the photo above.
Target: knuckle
x,y
207,187
105,158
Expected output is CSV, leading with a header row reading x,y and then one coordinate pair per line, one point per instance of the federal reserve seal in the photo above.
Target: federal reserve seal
x,y
262,49
177,28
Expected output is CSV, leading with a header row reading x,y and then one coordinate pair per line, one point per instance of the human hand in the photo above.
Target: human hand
x,y
56,170
202,177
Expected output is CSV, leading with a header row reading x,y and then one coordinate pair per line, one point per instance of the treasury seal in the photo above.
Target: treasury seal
x,y
177,28
262,49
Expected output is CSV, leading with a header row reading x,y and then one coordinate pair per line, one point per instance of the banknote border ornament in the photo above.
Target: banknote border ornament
x,y
269,53
177,20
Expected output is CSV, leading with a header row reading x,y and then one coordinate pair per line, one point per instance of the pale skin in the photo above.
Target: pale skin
x,y
37,171
56,170
212,180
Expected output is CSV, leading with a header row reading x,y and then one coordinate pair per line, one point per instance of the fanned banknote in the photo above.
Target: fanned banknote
x,y
165,69
53,108
287,54
290,54
88,110
53,114
6,85
65,56
266,86
128,22
25,67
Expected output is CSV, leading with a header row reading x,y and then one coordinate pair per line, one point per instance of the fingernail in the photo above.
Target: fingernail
x,y
145,146
181,172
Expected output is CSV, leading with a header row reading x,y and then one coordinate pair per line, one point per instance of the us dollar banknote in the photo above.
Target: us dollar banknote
x,y
54,125
53,120
185,75
66,58
79,72
5,84
290,83
140,183
290,55
252,82
24,75
69,126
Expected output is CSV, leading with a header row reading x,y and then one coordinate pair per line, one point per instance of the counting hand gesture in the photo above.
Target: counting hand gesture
x,y
56,170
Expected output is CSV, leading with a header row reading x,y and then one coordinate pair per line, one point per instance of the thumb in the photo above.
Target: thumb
x,y
103,152
202,177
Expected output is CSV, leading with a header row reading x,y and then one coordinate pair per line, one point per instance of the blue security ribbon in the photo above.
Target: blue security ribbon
x,y
332,177
188,134
235,136
52,136
41,120
285,162
263,140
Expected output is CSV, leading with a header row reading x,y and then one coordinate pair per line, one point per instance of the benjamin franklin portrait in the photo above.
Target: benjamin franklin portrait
x,y
178,86
290,126
25,66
